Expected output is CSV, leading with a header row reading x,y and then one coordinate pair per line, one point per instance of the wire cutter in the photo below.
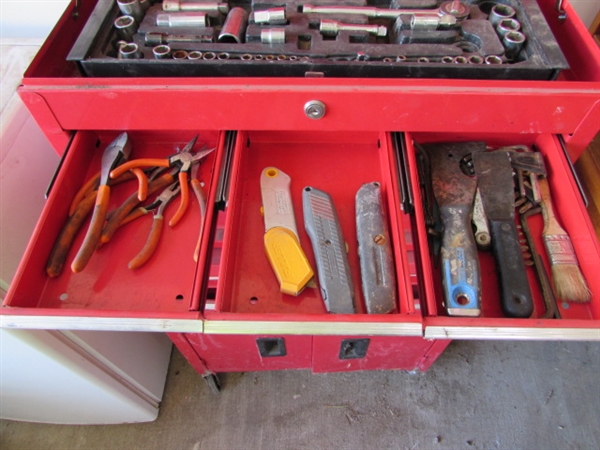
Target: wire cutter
x,y
183,160
158,206
117,151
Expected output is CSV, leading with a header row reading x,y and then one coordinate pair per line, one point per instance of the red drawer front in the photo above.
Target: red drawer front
x,y
351,353
249,353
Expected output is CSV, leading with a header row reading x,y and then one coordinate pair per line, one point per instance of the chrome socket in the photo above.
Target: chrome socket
x,y
161,52
505,26
493,60
132,8
180,54
500,12
234,28
513,43
126,27
188,19
272,16
272,36
130,51
211,8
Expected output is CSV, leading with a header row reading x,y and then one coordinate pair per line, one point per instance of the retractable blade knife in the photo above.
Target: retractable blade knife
x,y
375,251
333,269
282,244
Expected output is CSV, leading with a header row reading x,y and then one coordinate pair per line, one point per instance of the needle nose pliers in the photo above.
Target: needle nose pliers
x,y
183,160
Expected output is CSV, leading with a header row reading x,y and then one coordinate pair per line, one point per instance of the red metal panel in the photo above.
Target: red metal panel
x,y
187,350
235,353
374,105
437,348
44,117
383,353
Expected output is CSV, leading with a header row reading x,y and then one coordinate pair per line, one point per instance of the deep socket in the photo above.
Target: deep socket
x,y
189,19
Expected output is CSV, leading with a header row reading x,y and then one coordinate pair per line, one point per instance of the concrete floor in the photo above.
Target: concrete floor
x,y
477,395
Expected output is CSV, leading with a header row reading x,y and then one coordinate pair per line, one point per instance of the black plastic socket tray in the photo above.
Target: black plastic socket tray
x,y
469,49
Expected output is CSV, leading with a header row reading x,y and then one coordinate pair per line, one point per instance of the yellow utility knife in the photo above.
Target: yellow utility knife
x,y
282,244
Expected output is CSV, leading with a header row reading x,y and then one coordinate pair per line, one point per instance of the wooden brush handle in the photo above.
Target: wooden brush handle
x,y
551,225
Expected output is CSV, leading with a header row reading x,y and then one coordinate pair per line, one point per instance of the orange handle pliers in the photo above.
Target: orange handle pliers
x,y
158,206
183,160
116,152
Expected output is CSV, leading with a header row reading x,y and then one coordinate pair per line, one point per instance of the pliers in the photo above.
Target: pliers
x,y
117,151
183,160
158,206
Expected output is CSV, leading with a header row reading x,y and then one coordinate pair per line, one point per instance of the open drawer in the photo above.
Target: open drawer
x,y
233,290
106,294
575,320
62,100
245,297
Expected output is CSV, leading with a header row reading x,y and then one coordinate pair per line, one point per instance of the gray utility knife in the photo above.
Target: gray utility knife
x,y
375,251
333,270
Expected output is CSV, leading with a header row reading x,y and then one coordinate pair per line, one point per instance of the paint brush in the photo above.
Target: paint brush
x,y
569,283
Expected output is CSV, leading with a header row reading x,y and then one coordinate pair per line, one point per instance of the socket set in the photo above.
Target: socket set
x,y
504,39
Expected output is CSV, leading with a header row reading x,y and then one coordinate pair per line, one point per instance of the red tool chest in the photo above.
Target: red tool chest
x,y
225,312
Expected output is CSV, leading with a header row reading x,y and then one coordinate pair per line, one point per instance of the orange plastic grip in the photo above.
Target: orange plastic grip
x,y
185,198
63,243
144,162
116,220
153,238
92,237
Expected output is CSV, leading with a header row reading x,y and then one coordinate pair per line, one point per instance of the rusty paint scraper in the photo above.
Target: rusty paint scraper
x,y
454,191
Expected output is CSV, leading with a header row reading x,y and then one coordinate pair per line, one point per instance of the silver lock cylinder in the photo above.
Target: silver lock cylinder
x,y
314,109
